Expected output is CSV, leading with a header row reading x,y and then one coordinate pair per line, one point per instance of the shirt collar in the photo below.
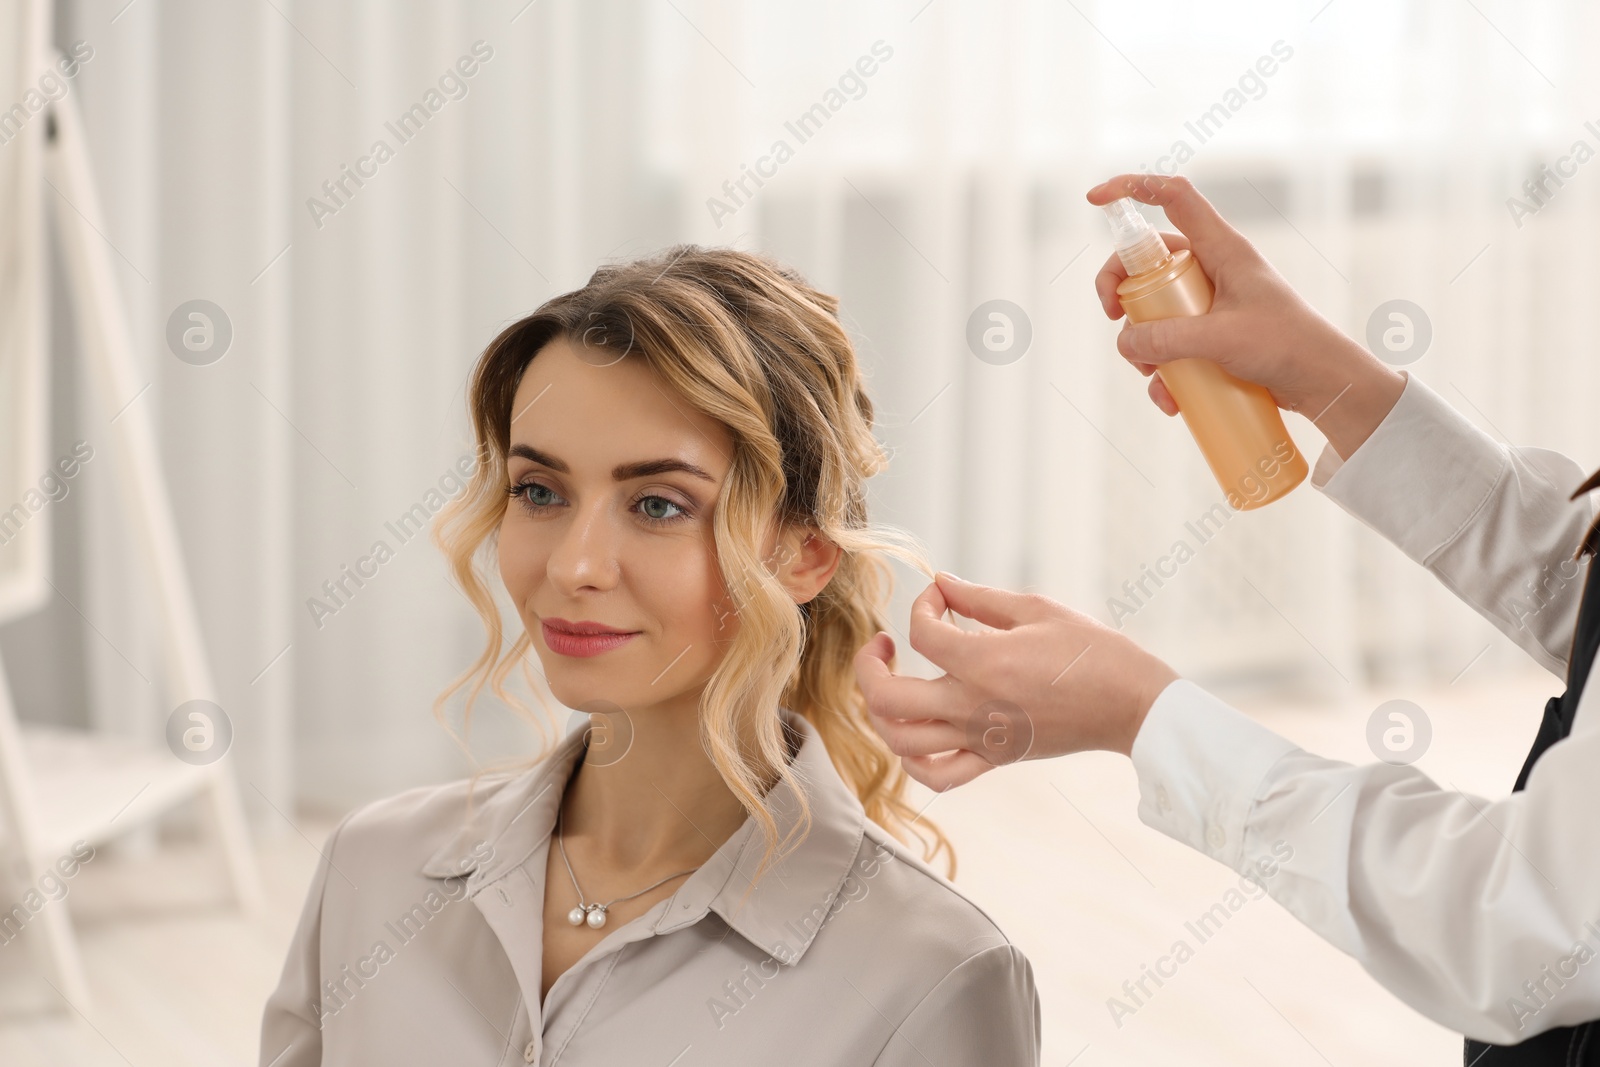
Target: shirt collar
x,y
780,915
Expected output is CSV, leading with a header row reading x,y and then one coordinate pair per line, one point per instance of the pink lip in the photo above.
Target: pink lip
x,y
567,643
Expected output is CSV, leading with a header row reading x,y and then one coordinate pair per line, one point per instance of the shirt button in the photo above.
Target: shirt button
x,y
1163,802
1214,836
530,1052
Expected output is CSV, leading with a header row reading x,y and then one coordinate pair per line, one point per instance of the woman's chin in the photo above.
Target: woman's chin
x,y
592,699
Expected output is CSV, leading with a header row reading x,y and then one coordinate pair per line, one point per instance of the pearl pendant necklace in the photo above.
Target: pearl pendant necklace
x,y
594,914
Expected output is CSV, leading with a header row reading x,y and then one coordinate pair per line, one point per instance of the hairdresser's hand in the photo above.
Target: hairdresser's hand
x,y
1259,329
1046,681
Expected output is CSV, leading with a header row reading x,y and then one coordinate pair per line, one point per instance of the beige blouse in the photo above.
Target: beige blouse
x,y
420,943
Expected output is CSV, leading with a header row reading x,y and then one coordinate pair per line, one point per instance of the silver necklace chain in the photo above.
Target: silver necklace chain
x,y
595,914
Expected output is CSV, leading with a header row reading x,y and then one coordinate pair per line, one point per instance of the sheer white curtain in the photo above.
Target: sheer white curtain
x,y
1373,162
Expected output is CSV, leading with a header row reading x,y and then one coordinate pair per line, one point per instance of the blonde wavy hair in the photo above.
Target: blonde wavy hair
x,y
750,343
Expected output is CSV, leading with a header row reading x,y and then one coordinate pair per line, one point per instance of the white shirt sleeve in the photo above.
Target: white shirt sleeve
x,y
1482,915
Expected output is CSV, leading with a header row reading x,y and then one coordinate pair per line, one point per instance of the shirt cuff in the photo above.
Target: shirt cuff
x,y
1200,763
1421,475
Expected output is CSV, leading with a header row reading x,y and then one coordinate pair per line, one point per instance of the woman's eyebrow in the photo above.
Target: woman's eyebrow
x,y
622,472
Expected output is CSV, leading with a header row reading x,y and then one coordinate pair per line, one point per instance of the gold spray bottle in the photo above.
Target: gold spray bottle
x,y
1236,423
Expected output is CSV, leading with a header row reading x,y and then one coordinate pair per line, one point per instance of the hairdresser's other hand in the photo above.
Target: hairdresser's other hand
x,y
1259,329
1046,681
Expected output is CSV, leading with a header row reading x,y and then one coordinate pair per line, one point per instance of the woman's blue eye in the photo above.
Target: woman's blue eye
x,y
523,492
659,500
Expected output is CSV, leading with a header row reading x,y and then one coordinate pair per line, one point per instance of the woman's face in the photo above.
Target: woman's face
x,y
615,481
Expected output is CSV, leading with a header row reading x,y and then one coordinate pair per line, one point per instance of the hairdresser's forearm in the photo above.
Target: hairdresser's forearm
x,y
1451,902
1355,391
1495,523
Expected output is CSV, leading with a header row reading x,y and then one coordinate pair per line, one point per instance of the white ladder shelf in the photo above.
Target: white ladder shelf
x,y
60,786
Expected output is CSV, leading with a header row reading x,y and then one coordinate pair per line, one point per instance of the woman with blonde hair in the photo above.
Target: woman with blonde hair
x,y
712,868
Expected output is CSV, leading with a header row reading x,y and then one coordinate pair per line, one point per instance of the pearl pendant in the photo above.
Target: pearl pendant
x,y
597,916
575,916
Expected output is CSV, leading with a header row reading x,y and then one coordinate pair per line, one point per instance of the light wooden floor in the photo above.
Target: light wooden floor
x,y
1052,850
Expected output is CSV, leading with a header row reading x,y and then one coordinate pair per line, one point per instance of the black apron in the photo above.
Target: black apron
x,y
1565,1046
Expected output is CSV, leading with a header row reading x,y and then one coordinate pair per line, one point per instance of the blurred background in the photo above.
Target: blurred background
x,y
1375,151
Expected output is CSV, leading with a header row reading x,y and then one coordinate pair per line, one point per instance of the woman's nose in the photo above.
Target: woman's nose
x,y
586,552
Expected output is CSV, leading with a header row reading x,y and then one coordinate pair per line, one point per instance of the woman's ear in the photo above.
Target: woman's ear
x,y
806,562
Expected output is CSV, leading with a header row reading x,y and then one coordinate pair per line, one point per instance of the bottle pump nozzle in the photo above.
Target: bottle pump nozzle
x,y
1137,243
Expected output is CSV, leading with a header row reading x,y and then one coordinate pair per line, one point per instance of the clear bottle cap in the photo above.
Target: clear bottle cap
x,y
1137,243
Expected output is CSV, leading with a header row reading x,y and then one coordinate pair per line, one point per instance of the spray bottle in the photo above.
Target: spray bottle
x,y
1237,424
